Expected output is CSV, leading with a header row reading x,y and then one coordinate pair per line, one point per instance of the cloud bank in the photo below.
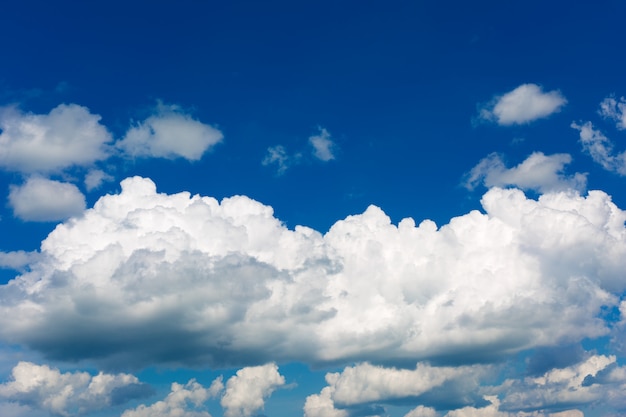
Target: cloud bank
x,y
524,104
147,278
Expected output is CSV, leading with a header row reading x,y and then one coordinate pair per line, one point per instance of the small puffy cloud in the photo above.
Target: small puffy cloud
x,y
170,134
367,386
183,401
40,143
614,109
539,172
526,103
600,148
44,200
95,178
66,394
323,147
247,390
150,278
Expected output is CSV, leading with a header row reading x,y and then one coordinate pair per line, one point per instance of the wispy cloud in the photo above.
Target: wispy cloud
x,y
324,150
600,148
614,109
277,155
524,104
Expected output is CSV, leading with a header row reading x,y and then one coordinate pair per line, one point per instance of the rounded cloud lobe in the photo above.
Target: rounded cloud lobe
x,y
69,135
67,394
170,134
44,200
524,104
144,278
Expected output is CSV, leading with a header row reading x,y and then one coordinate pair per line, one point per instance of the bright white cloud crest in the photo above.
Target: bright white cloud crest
x,y
69,135
247,390
191,280
524,104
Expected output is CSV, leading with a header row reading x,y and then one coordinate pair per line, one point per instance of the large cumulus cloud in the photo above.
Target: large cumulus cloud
x,y
145,278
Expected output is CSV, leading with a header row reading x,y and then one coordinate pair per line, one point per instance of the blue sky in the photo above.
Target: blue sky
x,y
318,209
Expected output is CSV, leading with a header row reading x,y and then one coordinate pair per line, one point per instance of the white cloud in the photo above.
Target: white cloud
x,y
183,401
322,405
69,135
538,173
524,104
597,379
199,281
611,108
65,394
278,155
493,410
170,134
95,178
44,200
247,390
323,147
600,148
366,383
364,386
17,260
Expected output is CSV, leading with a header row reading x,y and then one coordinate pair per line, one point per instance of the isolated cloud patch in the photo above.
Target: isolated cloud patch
x,y
170,134
539,172
148,278
66,394
524,104
324,148
614,109
277,155
365,385
44,200
67,136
